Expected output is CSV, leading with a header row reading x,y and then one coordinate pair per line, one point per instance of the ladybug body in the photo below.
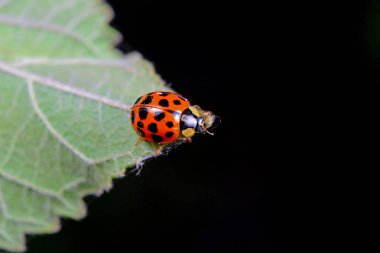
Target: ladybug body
x,y
164,117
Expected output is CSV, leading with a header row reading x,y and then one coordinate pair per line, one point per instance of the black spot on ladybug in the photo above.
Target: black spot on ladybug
x,y
147,100
177,102
164,102
152,127
141,132
156,138
163,94
138,100
143,113
140,124
184,99
133,117
169,134
159,115
169,124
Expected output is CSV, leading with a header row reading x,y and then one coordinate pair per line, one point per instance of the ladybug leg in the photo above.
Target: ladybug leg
x,y
142,160
159,150
138,141
140,163
187,139
162,149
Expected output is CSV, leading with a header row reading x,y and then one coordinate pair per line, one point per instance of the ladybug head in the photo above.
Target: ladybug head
x,y
206,121
196,121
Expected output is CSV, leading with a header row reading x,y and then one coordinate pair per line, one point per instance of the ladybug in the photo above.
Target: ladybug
x,y
164,117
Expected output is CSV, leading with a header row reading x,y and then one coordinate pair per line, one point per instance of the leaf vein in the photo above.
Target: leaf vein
x,y
50,28
126,64
32,186
4,3
50,127
8,69
7,237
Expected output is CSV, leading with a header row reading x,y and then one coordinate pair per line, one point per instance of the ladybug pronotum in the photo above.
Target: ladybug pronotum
x,y
165,117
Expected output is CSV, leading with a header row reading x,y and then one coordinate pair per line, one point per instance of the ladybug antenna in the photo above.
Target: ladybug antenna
x,y
209,133
215,122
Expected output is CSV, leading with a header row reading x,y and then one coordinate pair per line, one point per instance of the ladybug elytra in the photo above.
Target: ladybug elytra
x,y
165,117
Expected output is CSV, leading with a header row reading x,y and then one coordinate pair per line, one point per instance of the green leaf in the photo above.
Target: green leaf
x,y
65,94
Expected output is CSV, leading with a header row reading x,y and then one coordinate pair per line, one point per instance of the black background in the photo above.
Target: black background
x,y
274,72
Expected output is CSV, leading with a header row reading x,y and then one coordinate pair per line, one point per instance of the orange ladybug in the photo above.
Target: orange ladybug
x,y
165,117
